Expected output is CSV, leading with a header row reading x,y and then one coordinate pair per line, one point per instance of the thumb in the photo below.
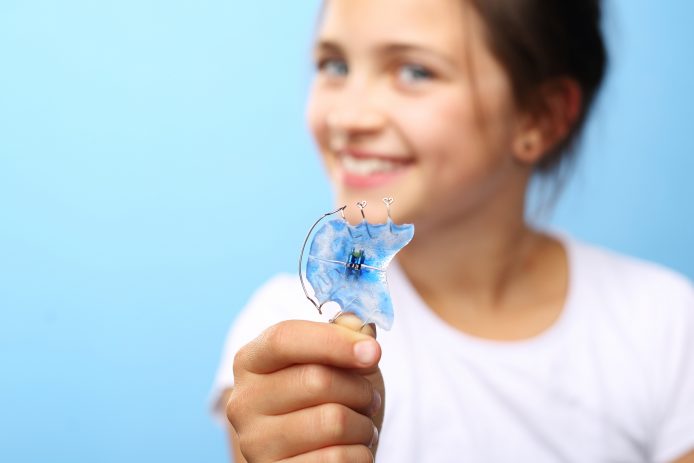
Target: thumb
x,y
351,321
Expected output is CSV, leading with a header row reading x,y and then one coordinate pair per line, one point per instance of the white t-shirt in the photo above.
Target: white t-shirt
x,y
611,381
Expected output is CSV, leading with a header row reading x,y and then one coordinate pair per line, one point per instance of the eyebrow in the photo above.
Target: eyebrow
x,y
327,45
331,46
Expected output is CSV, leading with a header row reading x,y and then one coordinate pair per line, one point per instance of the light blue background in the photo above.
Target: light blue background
x,y
150,151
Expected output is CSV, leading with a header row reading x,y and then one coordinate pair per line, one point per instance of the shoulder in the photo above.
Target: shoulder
x,y
629,306
615,277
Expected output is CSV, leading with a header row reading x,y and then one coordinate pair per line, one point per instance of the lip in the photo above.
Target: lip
x,y
361,154
375,180
355,181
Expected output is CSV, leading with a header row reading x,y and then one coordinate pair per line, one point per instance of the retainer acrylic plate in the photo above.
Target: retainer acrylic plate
x,y
347,264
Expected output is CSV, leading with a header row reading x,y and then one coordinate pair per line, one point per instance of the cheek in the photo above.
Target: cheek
x,y
442,130
316,112
459,145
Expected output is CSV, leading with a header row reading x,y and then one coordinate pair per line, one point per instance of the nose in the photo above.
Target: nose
x,y
355,120
345,126
353,116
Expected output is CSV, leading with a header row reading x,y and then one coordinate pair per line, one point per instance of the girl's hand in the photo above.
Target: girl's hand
x,y
307,391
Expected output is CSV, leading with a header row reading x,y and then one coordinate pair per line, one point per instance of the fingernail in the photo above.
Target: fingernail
x,y
366,352
376,402
374,438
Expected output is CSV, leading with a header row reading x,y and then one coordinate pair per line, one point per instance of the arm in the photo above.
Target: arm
x,y
688,458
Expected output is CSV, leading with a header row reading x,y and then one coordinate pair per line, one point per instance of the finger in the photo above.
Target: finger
x,y
277,437
335,454
291,342
351,321
304,386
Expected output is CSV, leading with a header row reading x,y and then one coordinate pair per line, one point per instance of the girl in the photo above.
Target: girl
x,y
509,344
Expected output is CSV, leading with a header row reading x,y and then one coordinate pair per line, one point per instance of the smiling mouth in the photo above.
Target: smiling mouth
x,y
363,170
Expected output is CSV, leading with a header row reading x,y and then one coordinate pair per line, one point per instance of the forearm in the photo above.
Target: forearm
x,y
688,458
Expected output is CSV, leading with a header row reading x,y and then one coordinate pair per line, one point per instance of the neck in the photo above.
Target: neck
x,y
475,258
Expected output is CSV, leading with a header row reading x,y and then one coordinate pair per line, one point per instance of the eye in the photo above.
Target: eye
x,y
333,67
413,73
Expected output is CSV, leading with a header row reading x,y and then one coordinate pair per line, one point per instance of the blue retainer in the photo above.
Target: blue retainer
x,y
347,264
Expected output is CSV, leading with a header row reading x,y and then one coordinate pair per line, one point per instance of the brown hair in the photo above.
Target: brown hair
x,y
540,40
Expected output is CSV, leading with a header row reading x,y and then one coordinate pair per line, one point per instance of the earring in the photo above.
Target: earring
x,y
528,145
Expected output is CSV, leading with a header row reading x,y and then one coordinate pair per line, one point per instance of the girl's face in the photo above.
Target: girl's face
x,y
409,103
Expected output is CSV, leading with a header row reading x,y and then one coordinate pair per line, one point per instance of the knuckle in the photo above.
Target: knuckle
x,y
257,443
334,420
347,454
241,360
368,391
365,454
337,454
231,413
246,443
275,335
316,379
233,409
241,407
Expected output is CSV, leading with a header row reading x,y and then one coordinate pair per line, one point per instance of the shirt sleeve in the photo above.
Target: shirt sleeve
x,y
675,424
279,299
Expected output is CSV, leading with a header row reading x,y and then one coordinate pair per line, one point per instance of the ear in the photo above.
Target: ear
x,y
548,122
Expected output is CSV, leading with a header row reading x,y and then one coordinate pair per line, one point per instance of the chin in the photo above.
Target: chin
x,y
402,186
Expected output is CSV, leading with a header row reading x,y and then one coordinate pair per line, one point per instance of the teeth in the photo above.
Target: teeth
x,y
368,166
